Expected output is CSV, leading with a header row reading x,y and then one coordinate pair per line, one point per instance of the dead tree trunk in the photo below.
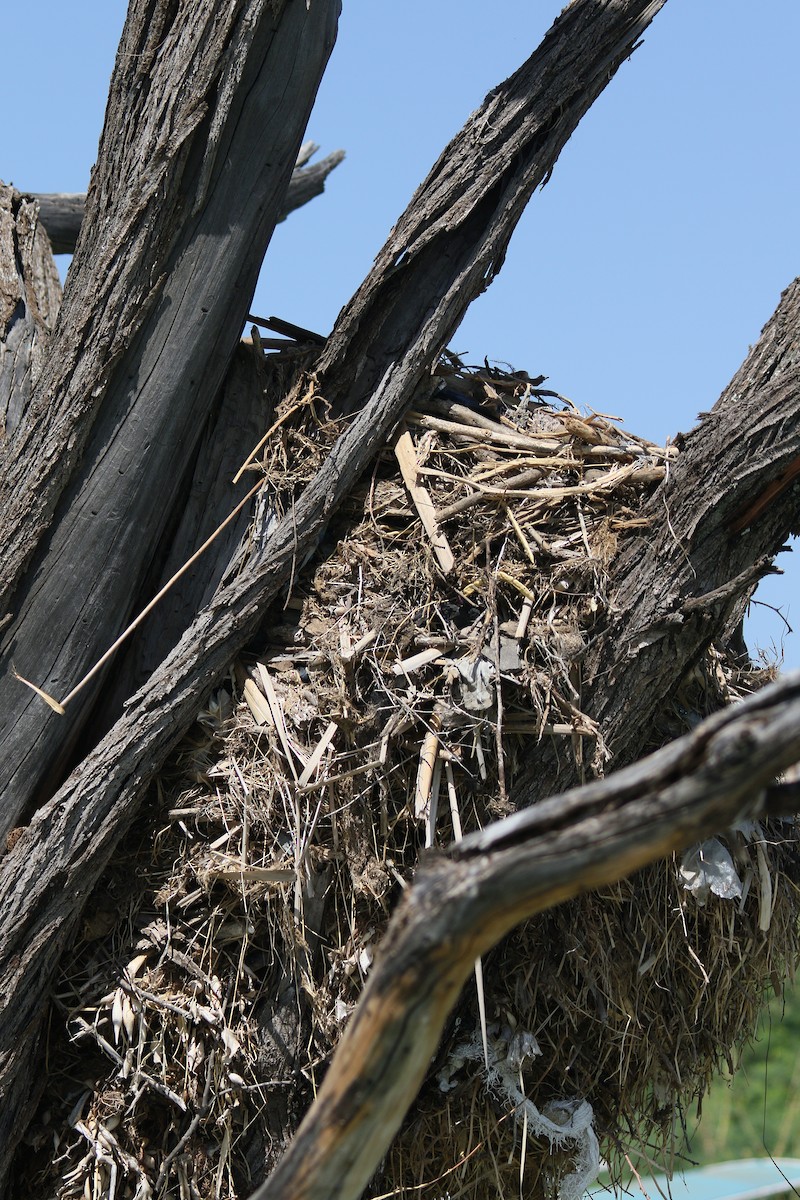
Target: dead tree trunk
x,y
161,284
148,329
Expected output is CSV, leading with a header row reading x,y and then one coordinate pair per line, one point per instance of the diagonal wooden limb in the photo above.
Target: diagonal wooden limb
x,y
444,251
689,580
451,241
180,209
47,878
464,901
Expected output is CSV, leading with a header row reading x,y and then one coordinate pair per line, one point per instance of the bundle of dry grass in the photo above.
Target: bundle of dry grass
x,y
412,674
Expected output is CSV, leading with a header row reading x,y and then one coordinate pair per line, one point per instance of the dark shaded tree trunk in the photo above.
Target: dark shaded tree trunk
x,y
105,446
161,284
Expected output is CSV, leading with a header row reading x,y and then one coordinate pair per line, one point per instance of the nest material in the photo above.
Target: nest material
x,y
401,688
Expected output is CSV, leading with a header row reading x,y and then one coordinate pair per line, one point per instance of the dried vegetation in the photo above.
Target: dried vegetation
x,y
408,679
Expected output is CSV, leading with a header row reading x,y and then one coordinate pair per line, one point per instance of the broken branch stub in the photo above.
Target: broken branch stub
x,y
61,213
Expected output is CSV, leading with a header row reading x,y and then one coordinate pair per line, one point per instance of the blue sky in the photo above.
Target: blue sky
x,y
638,277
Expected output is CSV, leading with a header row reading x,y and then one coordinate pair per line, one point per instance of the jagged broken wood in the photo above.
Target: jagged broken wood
x,y
61,213
30,295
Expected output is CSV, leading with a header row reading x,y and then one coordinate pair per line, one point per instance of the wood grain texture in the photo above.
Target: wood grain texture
x,y
30,296
463,901
242,411
202,132
451,241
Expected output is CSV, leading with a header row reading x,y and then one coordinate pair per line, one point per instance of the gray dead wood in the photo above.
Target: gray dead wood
x,y
447,247
61,213
205,117
241,413
30,294
464,901
725,510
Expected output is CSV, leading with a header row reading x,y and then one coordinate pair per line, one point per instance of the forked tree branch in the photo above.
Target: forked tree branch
x,y
442,254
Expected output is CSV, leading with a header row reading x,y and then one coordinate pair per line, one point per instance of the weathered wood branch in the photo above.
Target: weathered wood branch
x,y
47,878
61,213
464,901
244,407
61,217
181,209
30,295
689,580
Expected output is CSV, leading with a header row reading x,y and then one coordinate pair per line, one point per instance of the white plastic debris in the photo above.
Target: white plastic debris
x,y
709,868
564,1123
476,678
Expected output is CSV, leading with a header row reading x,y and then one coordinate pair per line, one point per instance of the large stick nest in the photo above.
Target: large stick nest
x,y
413,673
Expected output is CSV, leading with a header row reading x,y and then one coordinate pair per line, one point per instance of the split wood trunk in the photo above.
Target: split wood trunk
x,y
98,465
155,304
